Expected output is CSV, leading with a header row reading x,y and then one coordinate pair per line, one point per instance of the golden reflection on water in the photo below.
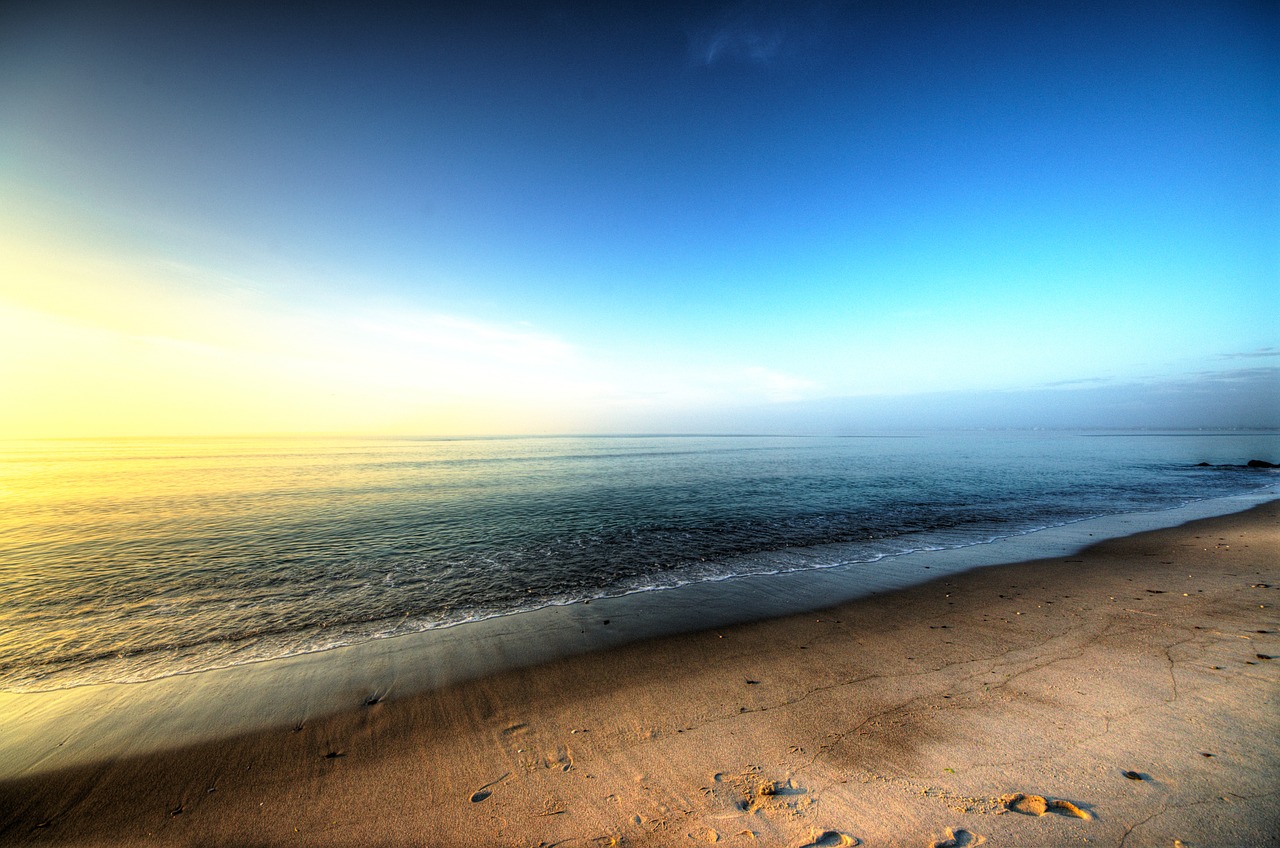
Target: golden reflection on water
x,y
56,492
121,536
73,483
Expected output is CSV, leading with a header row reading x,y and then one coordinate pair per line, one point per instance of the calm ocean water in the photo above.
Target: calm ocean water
x,y
128,560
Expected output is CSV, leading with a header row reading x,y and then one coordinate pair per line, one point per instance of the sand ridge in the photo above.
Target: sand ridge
x,y
1011,705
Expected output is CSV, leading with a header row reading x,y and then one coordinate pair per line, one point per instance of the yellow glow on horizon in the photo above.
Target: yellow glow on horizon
x,y
96,346
102,348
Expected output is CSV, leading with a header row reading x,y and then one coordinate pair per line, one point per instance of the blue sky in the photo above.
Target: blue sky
x,y
533,217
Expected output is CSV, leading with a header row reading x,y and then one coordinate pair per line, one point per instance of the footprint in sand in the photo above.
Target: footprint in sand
x,y
831,839
959,838
485,791
1038,805
1066,808
772,794
561,759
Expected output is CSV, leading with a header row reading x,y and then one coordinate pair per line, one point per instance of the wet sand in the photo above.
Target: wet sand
x,y
1126,695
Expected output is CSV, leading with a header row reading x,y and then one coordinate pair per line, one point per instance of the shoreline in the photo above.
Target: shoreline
x,y
907,716
855,578
853,575
251,695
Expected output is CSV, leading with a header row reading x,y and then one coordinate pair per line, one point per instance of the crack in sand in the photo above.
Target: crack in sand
x,y
988,664
1013,670
1166,807
1131,828
985,665
1173,678
993,661
1106,718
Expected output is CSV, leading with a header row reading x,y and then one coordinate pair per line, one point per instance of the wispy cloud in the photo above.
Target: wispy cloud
x,y
1267,375
1085,381
1260,353
759,32
756,45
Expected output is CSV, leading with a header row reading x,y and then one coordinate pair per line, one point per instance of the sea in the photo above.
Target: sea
x,y
128,560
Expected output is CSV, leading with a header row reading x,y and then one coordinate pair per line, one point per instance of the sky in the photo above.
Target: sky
x,y
595,217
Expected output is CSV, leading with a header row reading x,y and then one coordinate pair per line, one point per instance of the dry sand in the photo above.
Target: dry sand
x,y
1124,696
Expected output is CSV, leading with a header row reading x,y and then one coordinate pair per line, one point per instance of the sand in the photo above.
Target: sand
x,y
1125,695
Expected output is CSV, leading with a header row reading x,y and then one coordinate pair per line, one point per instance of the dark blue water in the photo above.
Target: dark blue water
x,y
127,560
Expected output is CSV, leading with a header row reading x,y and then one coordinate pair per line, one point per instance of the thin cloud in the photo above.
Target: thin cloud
x,y
759,33
1086,381
1253,354
1263,376
1234,398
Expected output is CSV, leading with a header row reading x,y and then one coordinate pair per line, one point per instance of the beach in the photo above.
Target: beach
x,y
1123,695
573,424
